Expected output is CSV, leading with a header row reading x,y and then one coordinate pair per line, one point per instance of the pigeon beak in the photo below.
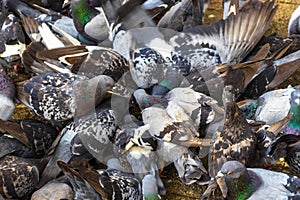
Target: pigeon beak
x,y
115,94
220,178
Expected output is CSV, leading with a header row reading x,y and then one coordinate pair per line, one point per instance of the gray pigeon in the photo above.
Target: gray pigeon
x,y
238,182
190,168
136,150
62,96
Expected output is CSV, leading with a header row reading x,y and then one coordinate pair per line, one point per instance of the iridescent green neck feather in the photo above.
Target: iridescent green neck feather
x,y
295,120
241,188
246,192
82,12
151,197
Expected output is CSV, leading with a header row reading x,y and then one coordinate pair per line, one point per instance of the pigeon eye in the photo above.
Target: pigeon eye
x,y
230,173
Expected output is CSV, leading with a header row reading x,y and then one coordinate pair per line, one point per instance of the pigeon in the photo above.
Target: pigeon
x,y
294,22
272,73
108,183
202,109
171,125
12,40
173,18
135,148
81,188
60,150
145,100
147,68
175,132
204,47
96,132
150,190
238,140
238,182
235,140
167,132
26,138
18,7
7,95
89,61
266,108
190,168
62,96
12,30
286,146
15,170
89,22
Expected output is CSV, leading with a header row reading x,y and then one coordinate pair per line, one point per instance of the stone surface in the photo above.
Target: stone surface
x,y
53,191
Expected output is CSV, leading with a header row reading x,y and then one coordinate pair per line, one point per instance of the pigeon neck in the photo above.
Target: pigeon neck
x,y
250,109
151,196
241,188
83,13
293,126
234,115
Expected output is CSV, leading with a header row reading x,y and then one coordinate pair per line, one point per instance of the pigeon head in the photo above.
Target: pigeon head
x,y
104,84
91,92
234,181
